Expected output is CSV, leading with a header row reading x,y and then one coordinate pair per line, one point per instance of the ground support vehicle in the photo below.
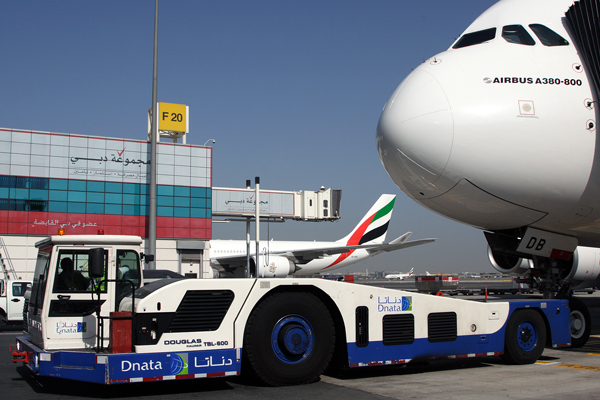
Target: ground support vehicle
x,y
281,331
436,283
12,290
12,299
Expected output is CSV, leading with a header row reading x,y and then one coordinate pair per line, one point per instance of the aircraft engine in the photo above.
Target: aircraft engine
x,y
585,268
506,264
275,267
582,270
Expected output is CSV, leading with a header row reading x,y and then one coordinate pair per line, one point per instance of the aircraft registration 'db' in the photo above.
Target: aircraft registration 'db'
x,y
500,132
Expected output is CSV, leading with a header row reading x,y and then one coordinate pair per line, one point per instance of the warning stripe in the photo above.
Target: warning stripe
x,y
471,355
395,362
389,362
174,377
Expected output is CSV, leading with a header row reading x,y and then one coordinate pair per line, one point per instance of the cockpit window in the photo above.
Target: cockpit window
x,y
474,38
517,34
547,36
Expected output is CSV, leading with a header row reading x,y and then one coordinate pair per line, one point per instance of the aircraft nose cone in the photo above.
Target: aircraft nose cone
x,y
415,134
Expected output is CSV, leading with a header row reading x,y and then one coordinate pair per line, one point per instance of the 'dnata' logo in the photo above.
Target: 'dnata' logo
x,y
394,303
179,364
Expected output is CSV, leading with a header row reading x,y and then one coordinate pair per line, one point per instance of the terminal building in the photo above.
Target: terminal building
x,y
86,184
91,185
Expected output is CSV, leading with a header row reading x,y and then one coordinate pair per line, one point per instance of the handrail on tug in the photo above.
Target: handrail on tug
x,y
100,318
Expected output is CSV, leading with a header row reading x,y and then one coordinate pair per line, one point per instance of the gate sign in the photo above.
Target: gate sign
x,y
172,117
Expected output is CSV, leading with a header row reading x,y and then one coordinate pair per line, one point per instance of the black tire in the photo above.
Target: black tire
x,y
581,323
525,337
289,339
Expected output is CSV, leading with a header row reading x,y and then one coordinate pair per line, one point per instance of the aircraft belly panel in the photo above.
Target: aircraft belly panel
x,y
469,204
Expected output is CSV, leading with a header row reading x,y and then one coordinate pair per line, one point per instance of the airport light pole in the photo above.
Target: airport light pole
x,y
248,274
257,223
153,141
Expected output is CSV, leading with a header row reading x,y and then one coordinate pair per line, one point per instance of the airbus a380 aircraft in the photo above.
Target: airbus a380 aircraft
x,y
280,259
500,132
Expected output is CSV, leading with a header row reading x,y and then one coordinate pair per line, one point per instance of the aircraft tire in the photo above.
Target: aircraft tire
x,y
581,323
525,337
289,339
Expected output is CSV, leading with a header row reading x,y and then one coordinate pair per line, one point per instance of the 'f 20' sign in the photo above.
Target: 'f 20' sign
x,y
172,117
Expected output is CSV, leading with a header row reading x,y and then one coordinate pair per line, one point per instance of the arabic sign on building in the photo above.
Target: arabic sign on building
x,y
85,183
243,202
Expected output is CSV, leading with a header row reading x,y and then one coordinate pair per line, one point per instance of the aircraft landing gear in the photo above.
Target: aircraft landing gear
x,y
548,276
581,322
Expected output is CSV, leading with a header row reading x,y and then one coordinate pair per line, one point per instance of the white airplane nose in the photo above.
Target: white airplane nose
x,y
415,134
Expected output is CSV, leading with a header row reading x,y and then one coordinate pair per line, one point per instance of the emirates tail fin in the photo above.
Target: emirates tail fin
x,y
373,227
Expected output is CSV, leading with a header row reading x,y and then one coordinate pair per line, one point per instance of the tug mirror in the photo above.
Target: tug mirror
x,y
97,262
147,257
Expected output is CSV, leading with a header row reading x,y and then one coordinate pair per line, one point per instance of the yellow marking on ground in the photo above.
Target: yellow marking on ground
x,y
593,354
579,366
547,362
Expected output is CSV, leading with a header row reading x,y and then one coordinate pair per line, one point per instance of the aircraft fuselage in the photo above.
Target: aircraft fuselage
x,y
500,134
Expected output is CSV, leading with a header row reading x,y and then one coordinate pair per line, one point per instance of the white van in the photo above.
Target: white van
x,y
12,299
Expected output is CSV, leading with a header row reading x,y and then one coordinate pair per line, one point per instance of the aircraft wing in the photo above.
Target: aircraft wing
x,y
299,257
303,256
229,262
306,255
391,247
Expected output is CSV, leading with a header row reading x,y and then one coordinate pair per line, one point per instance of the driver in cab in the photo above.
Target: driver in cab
x,y
69,279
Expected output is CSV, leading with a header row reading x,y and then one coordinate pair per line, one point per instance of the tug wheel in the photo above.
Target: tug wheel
x,y
525,337
289,339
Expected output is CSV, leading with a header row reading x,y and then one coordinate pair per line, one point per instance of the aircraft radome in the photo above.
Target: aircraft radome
x,y
499,132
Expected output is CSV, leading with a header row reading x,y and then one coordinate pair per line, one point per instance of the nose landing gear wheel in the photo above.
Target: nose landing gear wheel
x,y
581,323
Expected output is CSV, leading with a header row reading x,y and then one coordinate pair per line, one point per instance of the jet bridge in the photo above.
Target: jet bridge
x,y
303,205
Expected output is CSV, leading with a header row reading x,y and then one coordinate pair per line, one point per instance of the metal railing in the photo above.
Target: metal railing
x,y
7,266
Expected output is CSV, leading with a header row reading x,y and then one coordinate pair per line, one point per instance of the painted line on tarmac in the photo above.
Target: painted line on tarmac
x,y
594,348
579,366
547,362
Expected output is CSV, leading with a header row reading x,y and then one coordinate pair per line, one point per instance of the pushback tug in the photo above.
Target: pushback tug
x,y
91,319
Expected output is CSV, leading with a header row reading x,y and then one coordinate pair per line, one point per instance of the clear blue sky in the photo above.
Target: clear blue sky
x,y
290,90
